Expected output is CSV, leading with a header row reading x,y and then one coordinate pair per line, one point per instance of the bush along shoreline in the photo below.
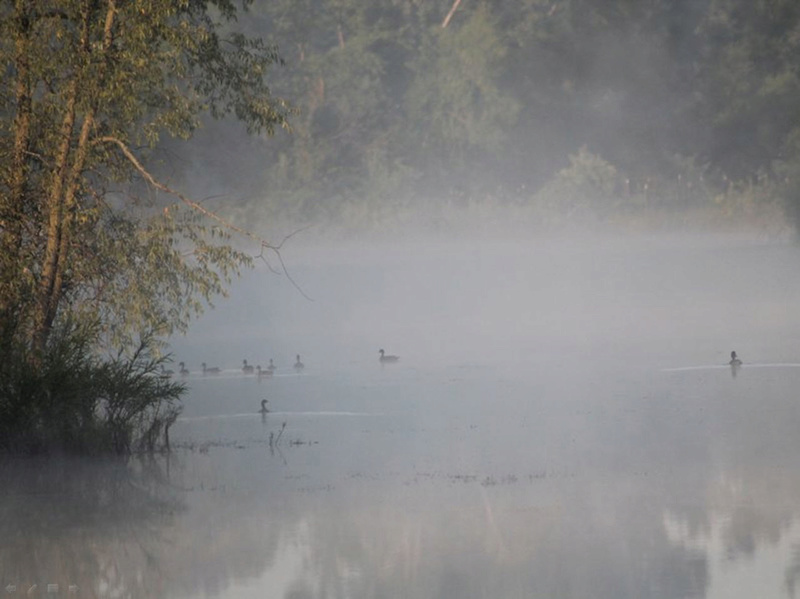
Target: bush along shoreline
x,y
69,400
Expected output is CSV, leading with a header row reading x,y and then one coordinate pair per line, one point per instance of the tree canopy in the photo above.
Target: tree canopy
x,y
687,99
90,89
100,260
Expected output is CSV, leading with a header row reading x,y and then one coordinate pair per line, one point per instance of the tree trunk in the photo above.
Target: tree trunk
x,y
55,217
70,209
63,200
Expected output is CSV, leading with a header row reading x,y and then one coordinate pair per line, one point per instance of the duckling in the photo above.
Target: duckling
x,y
264,408
262,372
212,370
387,358
246,368
299,365
183,370
735,361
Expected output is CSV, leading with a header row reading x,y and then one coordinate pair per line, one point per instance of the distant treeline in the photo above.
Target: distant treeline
x,y
674,103
400,103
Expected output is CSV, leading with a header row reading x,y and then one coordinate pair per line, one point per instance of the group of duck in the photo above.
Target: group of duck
x,y
247,369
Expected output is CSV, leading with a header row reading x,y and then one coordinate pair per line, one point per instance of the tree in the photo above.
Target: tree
x,y
342,65
97,256
462,114
396,110
90,87
750,74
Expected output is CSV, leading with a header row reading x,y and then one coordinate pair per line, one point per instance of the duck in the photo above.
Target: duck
x,y
166,373
387,358
299,365
262,372
264,408
183,370
212,370
735,361
271,368
247,368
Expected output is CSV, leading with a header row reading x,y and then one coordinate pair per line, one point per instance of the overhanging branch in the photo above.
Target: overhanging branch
x,y
263,243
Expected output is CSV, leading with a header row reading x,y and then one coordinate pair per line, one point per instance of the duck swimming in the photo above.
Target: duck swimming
x,y
262,372
213,370
247,368
735,361
166,373
271,367
387,358
264,408
183,370
299,365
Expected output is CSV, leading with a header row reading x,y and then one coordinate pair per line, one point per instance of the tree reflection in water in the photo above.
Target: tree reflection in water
x,y
99,525
605,494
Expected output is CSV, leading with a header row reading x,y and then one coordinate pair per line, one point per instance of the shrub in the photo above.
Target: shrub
x,y
70,400
585,190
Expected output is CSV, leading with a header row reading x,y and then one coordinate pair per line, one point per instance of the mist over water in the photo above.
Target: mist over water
x,y
505,302
561,423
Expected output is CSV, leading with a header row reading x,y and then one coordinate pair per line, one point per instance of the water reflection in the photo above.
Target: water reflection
x,y
735,369
689,491
102,527
735,364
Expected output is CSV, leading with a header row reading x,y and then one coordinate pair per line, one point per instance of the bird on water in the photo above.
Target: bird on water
x,y
735,361
212,370
264,408
183,370
299,365
247,368
386,357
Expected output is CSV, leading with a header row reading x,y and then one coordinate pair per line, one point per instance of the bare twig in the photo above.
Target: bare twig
x,y
265,260
291,280
284,270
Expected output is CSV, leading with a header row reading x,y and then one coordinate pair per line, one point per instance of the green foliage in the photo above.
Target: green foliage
x,y
94,254
584,190
750,79
169,263
395,108
91,89
787,185
72,401
455,98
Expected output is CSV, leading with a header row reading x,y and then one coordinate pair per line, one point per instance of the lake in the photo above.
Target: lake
x,y
561,423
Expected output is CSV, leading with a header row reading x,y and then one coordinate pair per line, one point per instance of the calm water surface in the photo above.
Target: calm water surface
x,y
584,448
